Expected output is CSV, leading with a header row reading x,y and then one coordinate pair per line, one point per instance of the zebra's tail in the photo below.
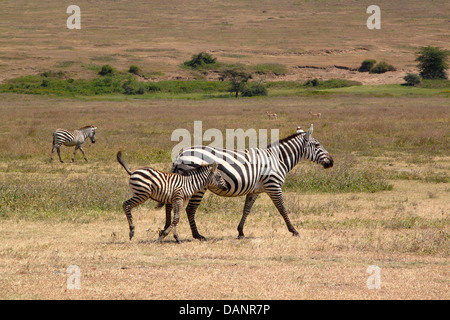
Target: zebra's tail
x,y
119,158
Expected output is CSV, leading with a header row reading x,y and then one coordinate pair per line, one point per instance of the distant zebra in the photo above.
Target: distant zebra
x,y
171,189
75,138
251,172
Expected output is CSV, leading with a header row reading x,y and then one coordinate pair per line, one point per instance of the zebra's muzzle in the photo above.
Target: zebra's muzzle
x,y
328,162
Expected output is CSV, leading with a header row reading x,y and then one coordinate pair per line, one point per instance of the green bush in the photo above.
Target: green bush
x,y
366,65
254,89
134,69
130,86
412,79
53,74
200,60
432,62
382,67
312,83
106,70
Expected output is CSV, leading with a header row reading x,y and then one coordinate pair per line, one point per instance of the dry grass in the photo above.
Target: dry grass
x,y
403,231
326,262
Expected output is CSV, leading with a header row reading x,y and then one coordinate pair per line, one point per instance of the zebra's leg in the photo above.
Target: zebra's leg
x,y
74,152
177,204
59,153
84,155
53,151
277,198
168,217
130,204
191,208
249,201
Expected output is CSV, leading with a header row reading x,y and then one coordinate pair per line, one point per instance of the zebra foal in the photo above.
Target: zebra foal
x,y
171,189
72,138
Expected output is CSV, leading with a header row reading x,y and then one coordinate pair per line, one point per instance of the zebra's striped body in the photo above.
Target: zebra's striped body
x,y
252,171
171,189
72,138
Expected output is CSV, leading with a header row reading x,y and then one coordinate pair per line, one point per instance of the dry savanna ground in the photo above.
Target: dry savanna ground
x,y
57,215
158,36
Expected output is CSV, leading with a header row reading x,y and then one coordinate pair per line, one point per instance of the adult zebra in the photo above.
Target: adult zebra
x,y
74,138
251,172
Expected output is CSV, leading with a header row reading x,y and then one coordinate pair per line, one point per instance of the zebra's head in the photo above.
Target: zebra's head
x,y
92,133
215,180
315,152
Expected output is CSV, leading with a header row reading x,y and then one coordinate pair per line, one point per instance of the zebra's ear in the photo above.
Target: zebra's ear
x,y
309,132
214,166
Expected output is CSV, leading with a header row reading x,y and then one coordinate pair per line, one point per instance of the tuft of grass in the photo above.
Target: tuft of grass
x,y
341,178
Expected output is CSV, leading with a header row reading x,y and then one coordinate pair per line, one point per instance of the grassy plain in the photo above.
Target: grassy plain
x,y
56,215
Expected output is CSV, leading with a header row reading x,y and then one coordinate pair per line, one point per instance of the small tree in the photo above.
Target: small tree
x,y
412,79
432,62
237,78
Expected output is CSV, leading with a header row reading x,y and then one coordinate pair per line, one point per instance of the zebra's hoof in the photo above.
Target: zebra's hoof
x,y
295,234
240,237
131,234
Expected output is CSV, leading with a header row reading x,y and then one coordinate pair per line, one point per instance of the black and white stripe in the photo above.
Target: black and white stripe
x,y
252,171
171,189
72,138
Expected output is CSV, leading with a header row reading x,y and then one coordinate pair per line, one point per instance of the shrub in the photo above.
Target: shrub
x,y
432,62
134,69
366,65
412,79
106,70
129,86
200,60
140,90
254,89
53,74
312,83
382,67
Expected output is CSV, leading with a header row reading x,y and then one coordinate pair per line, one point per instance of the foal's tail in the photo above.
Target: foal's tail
x,y
119,158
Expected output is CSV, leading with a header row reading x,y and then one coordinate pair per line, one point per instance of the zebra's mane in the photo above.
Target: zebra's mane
x,y
289,138
85,127
195,170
